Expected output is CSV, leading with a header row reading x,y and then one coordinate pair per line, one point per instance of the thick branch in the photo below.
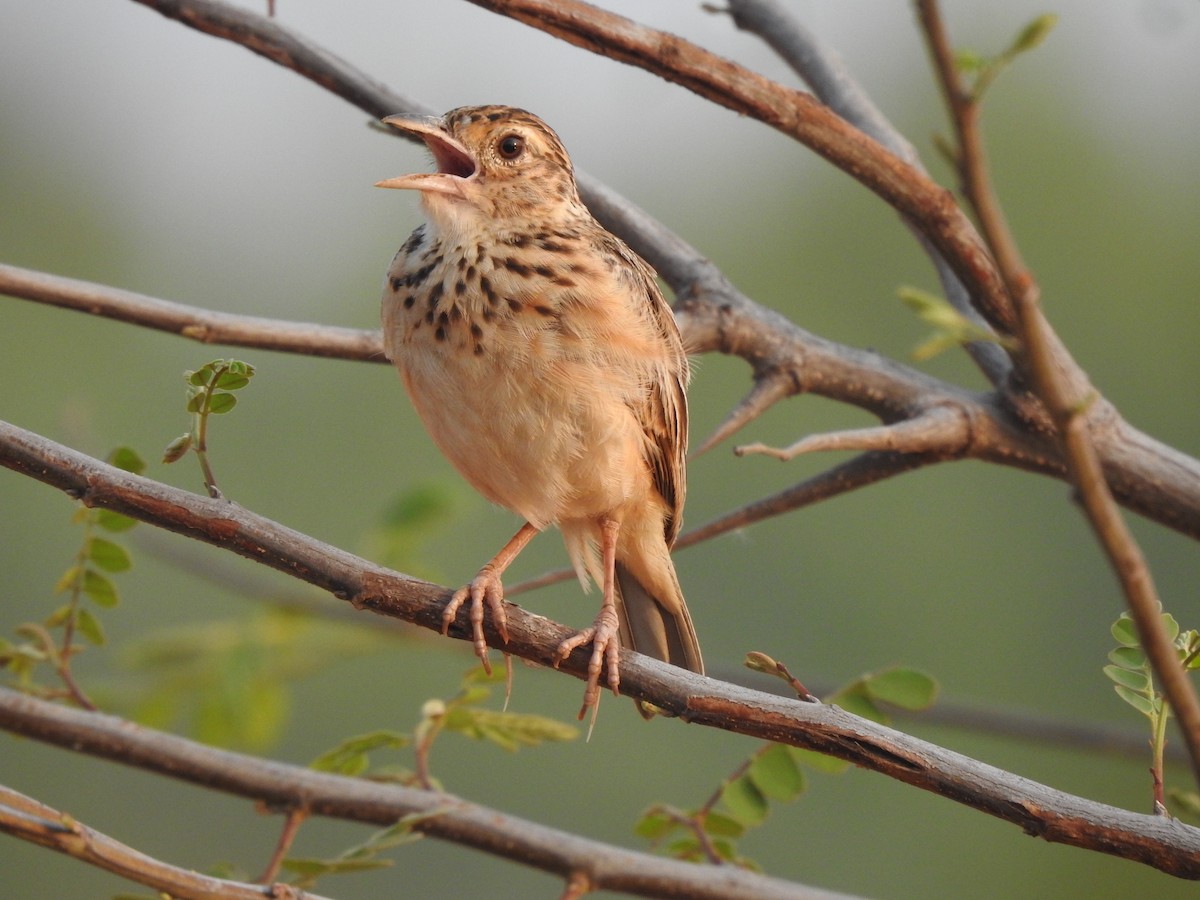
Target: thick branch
x,y
436,815
1038,809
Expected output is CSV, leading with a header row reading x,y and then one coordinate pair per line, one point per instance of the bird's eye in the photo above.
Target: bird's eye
x,y
511,146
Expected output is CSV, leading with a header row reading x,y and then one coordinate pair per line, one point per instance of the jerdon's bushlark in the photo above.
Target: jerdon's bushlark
x,y
546,365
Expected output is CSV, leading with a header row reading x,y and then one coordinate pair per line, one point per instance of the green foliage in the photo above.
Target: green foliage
x,y
230,680
870,694
951,328
364,856
462,713
210,393
53,641
985,69
1133,680
773,773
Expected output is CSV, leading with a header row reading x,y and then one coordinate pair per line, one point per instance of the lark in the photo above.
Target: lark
x,y
548,368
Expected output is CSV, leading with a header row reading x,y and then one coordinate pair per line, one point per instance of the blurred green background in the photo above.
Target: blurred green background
x,y
141,154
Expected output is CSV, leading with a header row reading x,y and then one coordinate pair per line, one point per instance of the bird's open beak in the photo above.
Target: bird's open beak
x,y
455,165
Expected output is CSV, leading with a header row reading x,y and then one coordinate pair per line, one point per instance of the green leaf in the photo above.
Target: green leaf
x,y
59,616
100,589
1125,632
1140,702
819,762
1171,626
108,556
968,61
655,824
903,687
177,448
775,773
67,579
221,403
350,756
1128,658
718,824
744,801
1033,34
195,403
89,626
507,730
1134,681
114,521
310,868
200,377
232,381
127,459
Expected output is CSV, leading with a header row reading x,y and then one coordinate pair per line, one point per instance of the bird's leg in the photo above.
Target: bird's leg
x,y
487,589
606,649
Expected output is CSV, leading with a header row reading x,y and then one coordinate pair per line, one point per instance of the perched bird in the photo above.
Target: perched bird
x,y
546,365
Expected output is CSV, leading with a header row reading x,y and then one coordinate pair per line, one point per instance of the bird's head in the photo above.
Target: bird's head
x,y
493,161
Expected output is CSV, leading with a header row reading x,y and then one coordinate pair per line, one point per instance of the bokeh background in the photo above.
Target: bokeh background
x,y
139,153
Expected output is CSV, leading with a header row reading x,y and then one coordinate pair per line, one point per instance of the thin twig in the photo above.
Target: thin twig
x,y
29,820
1064,391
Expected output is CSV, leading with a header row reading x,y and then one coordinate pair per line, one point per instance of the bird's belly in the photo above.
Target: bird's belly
x,y
549,438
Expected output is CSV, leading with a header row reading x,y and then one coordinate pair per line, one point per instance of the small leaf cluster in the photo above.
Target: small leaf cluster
x,y
463,713
951,328
1133,680
985,69
88,578
362,857
742,802
773,772
210,391
1130,671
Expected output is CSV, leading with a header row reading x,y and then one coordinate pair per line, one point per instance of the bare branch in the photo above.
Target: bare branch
x,y
972,158
795,113
29,820
191,322
434,814
822,68
765,393
1064,391
937,431
1038,809
1069,412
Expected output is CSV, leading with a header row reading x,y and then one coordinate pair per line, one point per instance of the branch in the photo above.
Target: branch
x,y
29,820
434,814
1144,474
1064,392
822,68
203,325
1048,813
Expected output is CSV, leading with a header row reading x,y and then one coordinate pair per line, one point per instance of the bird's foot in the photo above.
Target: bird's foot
x,y
606,654
485,591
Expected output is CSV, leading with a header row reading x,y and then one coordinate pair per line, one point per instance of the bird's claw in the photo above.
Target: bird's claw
x,y
485,591
606,654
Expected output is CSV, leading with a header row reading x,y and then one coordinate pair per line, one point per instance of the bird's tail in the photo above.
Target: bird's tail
x,y
659,627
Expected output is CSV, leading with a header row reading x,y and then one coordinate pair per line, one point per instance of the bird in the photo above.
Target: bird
x,y
548,368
